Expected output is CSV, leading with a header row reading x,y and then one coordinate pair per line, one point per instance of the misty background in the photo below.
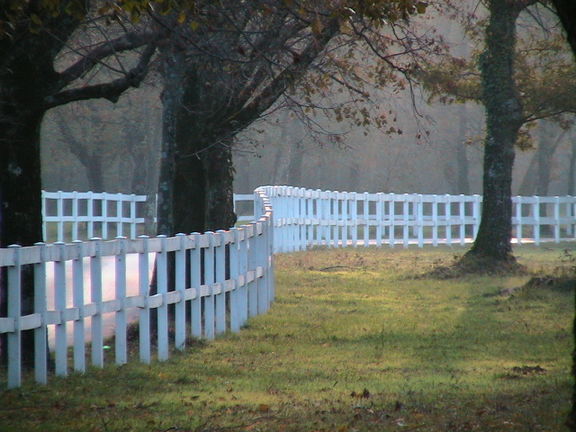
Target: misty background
x,y
425,147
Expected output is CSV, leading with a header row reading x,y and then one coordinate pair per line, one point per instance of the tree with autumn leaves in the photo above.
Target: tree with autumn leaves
x,y
516,88
223,65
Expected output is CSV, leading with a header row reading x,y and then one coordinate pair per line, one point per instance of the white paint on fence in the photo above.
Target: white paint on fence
x,y
93,288
90,290
304,218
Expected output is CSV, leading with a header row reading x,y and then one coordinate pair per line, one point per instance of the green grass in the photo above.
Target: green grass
x,y
354,342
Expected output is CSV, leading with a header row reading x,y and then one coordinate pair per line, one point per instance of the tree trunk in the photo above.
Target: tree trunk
x,y
567,12
503,118
218,187
461,154
20,198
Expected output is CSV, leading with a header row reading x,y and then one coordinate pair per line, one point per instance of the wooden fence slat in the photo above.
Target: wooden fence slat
x,y
209,324
252,264
61,346
220,277
15,310
143,290
40,333
195,282
121,349
97,352
235,314
180,307
162,310
243,269
78,302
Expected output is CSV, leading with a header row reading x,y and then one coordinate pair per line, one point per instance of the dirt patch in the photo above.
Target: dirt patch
x,y
518,372
557,283
541,282
477,265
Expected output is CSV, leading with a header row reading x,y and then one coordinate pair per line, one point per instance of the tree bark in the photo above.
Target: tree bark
x,y
503,120
20,195
567,13
218,173
461,154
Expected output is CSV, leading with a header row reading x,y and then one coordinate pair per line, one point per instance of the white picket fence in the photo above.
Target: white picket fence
x,y
305,218
87,291
83,215
221,279
71,216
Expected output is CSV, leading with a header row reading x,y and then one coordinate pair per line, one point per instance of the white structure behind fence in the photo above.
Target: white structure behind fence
x,y
219,279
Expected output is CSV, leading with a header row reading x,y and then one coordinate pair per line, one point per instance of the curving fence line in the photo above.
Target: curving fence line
x,y
305,217
90,295
206,284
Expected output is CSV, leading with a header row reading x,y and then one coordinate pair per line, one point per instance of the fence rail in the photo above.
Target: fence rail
x,y
213,282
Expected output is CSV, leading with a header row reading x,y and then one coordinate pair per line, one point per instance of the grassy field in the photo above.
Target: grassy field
x,y
356,341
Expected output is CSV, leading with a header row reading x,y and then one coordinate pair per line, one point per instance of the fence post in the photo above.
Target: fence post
x,y
406,218
121,324
334,218
74,215
261,261
44,214
209,325
536,210
78,302
15,311
391,219
180,285
235,293
448,211
270,258
90,213
96,298
132,216
327,218
557,219
252,264
379,218
420,219
243,270
518,211
309,216
60,213
104,212
462,218
476,214
40,334
143,291
345,221
162,289
61,355
435,220
196,282
220,273
119,215
366,214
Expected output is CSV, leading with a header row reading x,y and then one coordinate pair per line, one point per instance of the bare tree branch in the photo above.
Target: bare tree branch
x,y
125,42
111,90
